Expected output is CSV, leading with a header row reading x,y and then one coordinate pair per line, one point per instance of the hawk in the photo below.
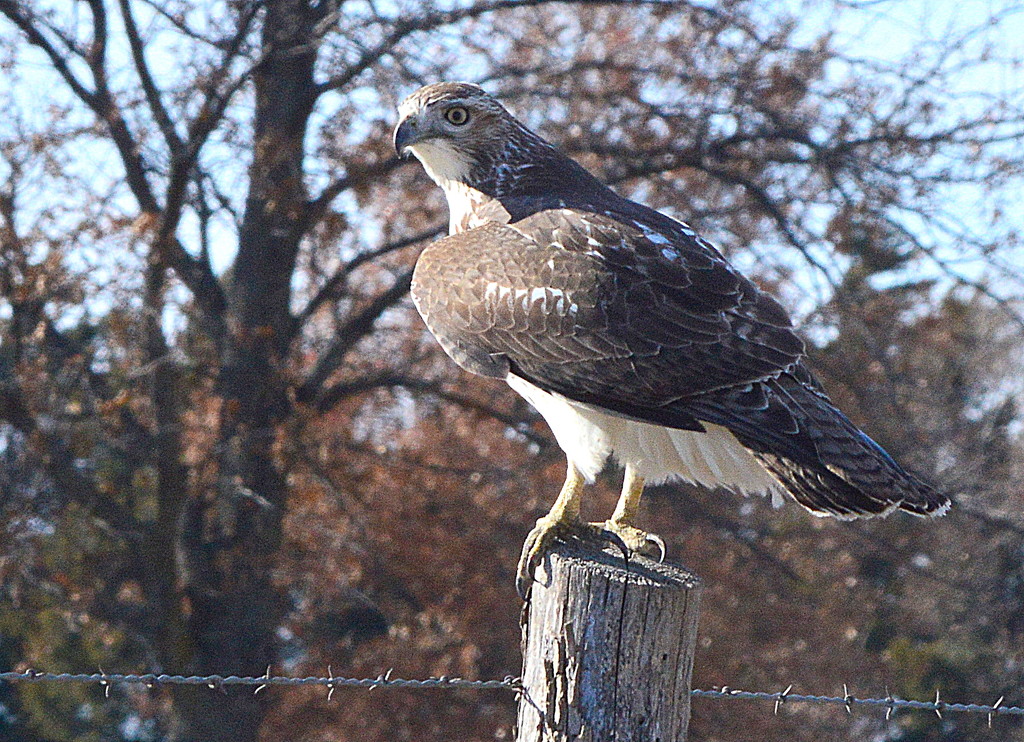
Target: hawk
x,y
628,332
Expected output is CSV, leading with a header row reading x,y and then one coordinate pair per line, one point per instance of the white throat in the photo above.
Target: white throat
x,y
442,161
450,168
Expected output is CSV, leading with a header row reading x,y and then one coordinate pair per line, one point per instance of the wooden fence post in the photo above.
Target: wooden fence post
x,y
607,649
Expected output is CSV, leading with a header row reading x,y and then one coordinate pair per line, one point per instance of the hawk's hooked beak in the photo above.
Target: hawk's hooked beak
x,y
406,134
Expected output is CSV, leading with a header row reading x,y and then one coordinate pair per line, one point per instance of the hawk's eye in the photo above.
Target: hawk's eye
x,y
457,115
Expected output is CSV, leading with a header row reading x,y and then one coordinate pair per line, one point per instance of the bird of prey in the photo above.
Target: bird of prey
x,y
629,333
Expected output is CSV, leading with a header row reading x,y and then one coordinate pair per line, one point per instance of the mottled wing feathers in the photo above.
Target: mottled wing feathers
x,y
472,292
594,309
644,319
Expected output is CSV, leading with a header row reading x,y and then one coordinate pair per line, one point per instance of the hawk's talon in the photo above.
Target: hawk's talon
x,y
605,537
537,543
653,538
634,539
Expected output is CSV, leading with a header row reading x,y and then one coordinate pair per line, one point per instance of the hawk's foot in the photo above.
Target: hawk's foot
x,y
635,540
551,528
626,538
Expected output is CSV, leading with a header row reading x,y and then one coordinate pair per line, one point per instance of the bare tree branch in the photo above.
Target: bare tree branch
x,y
153,97
333,287
403,27
355,329
336,393
24,21
192,272
317,207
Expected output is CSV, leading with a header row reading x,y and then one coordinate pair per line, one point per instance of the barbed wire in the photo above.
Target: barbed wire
x,y
263,681
331,682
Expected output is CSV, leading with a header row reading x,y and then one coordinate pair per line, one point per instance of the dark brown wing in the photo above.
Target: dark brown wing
x,y
650,322
601,310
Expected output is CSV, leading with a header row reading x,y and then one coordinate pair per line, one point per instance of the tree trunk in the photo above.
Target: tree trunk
x,y
608,650
231,535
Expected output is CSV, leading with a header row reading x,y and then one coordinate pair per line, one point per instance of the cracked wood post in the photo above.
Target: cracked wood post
x,y
607,649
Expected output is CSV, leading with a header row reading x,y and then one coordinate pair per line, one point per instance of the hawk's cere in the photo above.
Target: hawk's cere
x,y
630,334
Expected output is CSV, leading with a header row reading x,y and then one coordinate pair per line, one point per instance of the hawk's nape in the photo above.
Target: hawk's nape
x,y
630,334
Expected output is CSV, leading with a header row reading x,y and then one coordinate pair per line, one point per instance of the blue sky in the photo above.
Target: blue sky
x,y
882,31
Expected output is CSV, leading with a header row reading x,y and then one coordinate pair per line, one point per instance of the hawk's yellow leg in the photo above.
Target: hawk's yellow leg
x,y
621,522
563,521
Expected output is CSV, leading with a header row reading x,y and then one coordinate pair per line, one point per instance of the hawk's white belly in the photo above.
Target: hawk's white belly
x,y
589,436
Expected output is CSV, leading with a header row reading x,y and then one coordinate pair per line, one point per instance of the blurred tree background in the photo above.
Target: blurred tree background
x,y
228,442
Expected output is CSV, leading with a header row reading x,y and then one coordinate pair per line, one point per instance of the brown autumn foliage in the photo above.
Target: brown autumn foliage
x,y
227,441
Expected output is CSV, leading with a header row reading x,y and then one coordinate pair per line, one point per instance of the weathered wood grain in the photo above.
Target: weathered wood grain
x,y
608,649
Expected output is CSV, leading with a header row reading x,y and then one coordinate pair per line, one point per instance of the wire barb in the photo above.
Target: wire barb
x,y
782,698
995,707
105,683
261,687
385,679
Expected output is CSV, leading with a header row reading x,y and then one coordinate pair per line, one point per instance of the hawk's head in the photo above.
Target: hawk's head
x,y
478,152
454,129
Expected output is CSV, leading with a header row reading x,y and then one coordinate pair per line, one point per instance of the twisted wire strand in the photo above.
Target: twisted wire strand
x,y
217,681
509,683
